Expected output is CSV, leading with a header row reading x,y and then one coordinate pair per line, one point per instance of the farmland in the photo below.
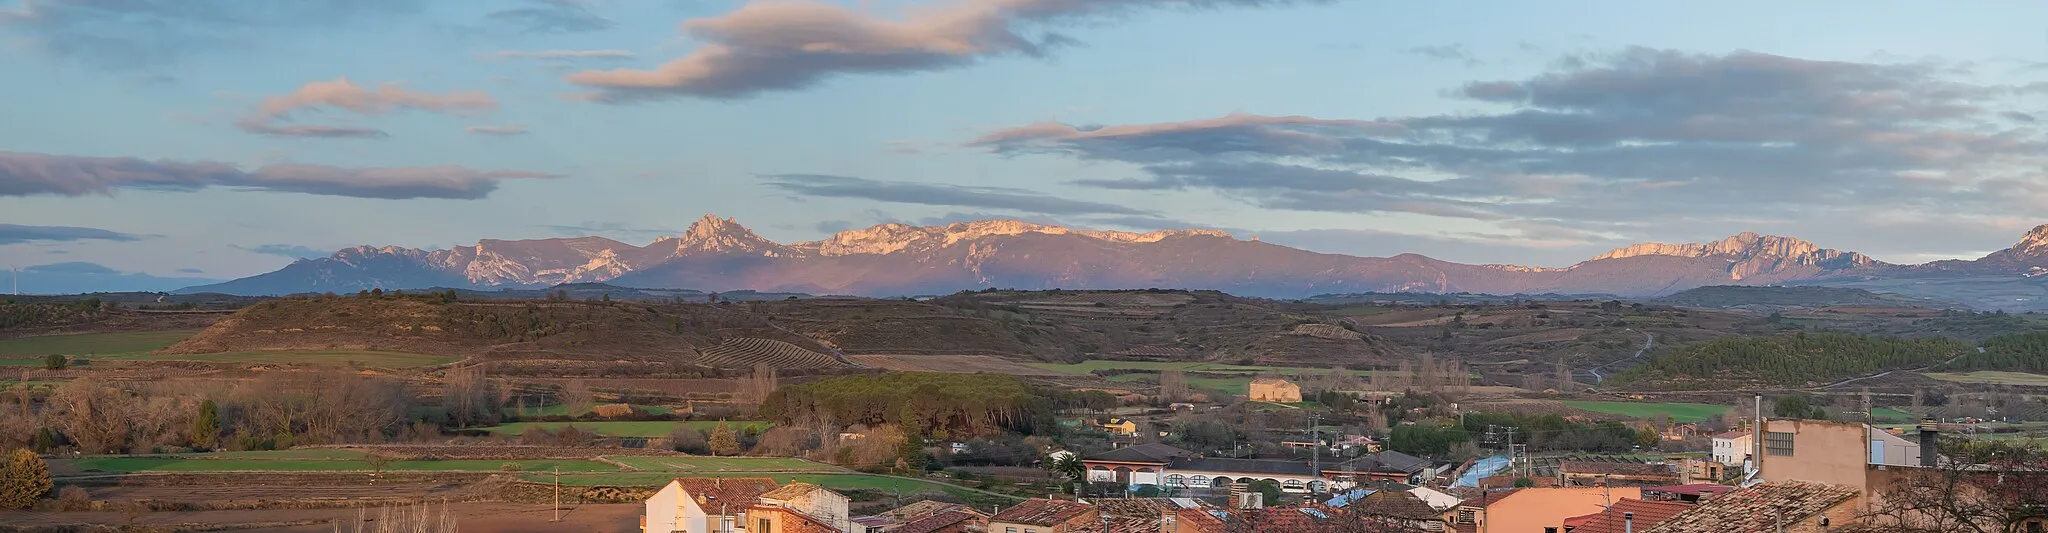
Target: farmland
x,y
840,482
210,464
93,344
1221,377
654,428
745,352
723,464
1992,377
1681,412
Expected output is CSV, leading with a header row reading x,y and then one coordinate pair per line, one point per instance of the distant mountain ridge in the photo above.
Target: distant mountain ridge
x,y
719,254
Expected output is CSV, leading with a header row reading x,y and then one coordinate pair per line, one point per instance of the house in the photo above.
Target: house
x,y
1788,506
1686,493
1614,474
928,516
1626,516
1533,510
786,508
1400,509
1681,431
1118,426
946,522
1045,516
957,448
1732,448
1360,443
703,505
1828,452
1269,389
1383,466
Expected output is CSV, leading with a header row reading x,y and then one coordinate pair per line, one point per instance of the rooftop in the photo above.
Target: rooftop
x,y
1758,508
1270,381
737,492
936,522
1153,453
1396,504
1391,462
919,509
1696,489
1042,512
790,492
1647,514
1247,466
1730,435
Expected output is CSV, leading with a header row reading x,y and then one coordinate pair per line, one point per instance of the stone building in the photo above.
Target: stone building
x,y
1275,390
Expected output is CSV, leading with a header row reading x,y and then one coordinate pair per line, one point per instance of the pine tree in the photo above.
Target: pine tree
x,y
24,478
724,441
206,426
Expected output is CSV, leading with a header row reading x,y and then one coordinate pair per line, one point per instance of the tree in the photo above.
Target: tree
x,y
725,441
577,397
1980,487
1796,406
1173,385
24,478
1647,437
1068,468
206,426
470,397
94,415
377,292
1269,489
55,362
762,383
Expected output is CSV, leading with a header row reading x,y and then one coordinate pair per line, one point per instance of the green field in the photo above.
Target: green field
x,y
655,428
1992,377
1680,412
1232,385
563,410
831,481
91,344
701,464
176,464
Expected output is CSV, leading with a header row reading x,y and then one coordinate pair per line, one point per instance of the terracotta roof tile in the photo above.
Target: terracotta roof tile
x,y
735,492
1395,504
946,521
1614,520
919,509
789,492
1042,512
1757,508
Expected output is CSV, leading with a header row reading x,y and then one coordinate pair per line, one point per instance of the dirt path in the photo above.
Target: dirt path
x,y
1649,341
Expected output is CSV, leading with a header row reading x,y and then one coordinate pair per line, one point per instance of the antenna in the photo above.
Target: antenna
x,y
17,279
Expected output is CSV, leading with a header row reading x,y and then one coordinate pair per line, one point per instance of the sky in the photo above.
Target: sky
x,y
214,139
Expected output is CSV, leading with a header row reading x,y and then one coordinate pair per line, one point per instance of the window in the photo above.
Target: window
x,y
1176,480
1291,484
1465,515
1199,481
1009,530
1777,443
763,526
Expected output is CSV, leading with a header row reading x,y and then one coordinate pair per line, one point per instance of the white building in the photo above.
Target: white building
x,y
1732,448
703,505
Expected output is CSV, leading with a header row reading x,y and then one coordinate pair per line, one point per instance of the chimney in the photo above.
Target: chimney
x,y
1929,434
1628,522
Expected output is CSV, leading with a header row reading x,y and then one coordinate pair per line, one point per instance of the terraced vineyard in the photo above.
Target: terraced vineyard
x,y
745,352
1326,331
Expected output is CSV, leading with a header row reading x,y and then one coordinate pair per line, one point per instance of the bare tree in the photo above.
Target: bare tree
x,y
762,383
1564,376
577,397
470,397
1173,385
1980,487
94,415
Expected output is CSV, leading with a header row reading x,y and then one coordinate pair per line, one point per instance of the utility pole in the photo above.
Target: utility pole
x,y
558,494
1315,454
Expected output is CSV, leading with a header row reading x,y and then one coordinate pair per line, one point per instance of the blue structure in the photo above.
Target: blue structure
x,y
1346,497
1481,469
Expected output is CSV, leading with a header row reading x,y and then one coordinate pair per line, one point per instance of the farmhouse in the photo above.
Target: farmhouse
x,y
800,507
1732,448
701,505
1268,389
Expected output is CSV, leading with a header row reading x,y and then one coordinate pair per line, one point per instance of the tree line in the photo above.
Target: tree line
x,y
2024,352
1794,358
939,406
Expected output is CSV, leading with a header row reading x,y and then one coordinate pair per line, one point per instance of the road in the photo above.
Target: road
x,y
1649,341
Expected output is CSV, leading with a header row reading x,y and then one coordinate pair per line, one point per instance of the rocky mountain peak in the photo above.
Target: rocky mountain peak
x,y
721,235
1744,245
2034,244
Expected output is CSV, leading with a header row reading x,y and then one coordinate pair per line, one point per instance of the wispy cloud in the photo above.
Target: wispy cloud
x,y
287,250
941,194
26,174
16,233
558,55
505,129
1616,144
344,95
552,16
596,228
1446,52
145,34
789,45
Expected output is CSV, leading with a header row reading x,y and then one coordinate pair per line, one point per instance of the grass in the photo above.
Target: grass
x,y
830,481
1890,413
723,464
90,344
1680,412
187,464
1992,377
655,428
563,410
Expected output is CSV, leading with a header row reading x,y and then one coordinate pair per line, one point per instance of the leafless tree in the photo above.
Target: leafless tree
x,y
1980,487
1173,385
94,415
577,397
470,397
762,383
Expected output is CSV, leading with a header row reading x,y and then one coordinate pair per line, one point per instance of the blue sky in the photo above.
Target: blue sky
x,y
1531,133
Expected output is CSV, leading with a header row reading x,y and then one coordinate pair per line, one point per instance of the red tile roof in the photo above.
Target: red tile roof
x,y
1732,435
1042,512
939,523
1696,489
1487,498
1758,508
735,492
1614,520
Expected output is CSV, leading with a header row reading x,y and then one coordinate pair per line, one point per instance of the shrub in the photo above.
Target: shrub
x,y
509,467
55,362
74,499
24,478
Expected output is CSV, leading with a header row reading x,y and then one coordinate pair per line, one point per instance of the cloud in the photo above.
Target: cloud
x,y
1614,144
16,233
941,195
131,34
287,250
552,16
788,45
559,55
75,267
344,95
27,174
588,228
506,129
1448,52
190,271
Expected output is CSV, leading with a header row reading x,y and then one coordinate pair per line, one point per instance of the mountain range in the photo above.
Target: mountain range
x,y
718,254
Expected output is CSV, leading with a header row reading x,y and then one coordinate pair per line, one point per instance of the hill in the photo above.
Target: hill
x,y
1794,359
1778,297
718,254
